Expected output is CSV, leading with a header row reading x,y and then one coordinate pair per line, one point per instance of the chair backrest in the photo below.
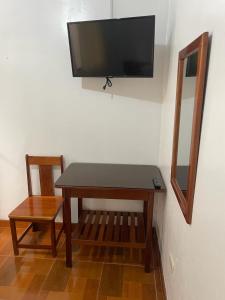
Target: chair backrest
x,y
45,164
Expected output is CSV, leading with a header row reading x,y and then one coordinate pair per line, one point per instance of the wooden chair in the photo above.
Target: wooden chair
x,y
41,209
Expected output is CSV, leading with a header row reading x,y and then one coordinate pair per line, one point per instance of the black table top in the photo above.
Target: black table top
x,y
110,176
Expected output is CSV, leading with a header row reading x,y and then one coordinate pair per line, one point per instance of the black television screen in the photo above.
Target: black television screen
x,y
113,47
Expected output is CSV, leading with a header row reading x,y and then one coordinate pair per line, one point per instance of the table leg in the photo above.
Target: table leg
x,y
67,224
148,241
80,207
145,213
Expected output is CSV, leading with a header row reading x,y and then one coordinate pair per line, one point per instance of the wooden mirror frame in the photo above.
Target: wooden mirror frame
x,y
201,46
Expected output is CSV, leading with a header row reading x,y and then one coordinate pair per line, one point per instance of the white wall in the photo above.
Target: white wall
x,y
44,111
198,250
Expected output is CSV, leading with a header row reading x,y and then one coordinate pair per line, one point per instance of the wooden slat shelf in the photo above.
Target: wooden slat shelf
x,y
112,229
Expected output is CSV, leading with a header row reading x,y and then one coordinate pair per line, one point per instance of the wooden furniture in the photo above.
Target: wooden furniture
x,y
191,77
41,209
113,229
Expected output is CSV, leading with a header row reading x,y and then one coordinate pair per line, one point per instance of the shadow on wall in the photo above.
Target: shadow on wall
x,y
149,89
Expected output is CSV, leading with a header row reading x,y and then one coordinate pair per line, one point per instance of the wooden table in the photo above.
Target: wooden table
x,y
110,229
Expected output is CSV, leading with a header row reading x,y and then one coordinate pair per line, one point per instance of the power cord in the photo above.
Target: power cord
x,y
108,83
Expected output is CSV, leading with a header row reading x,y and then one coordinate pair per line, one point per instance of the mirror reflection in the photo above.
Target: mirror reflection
x,y
186,116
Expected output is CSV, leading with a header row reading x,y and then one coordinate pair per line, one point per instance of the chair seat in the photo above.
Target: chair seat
x,y
40,208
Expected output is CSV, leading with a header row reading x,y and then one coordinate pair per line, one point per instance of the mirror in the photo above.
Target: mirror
x,y
187,126
186,116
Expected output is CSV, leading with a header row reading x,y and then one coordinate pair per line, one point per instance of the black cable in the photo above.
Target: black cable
x,y
108,83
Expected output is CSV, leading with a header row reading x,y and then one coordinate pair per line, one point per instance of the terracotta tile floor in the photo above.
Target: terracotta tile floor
x,y
97,273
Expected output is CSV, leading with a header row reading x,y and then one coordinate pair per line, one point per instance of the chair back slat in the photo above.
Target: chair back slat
x,y
46,180
44,160
45,164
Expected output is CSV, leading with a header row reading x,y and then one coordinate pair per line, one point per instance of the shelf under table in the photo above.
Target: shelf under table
x,y
112,229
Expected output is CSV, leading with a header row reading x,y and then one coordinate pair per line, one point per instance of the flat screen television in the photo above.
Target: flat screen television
x,y
112,47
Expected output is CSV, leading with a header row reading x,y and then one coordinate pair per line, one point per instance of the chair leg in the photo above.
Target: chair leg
x,y
35,227
53,239
14,236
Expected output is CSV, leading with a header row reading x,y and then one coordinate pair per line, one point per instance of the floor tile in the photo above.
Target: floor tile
x,y
58,277
112,280
98,273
